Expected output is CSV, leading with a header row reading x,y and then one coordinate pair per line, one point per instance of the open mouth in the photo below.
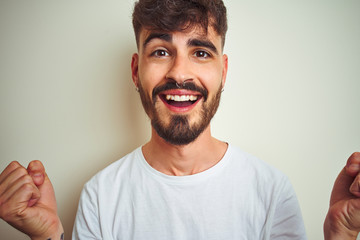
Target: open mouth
x,y
180,101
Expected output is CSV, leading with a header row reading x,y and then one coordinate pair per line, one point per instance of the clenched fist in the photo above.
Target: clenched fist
x,y
27,201
343,219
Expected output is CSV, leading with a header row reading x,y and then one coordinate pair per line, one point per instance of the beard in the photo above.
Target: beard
x,y
179,131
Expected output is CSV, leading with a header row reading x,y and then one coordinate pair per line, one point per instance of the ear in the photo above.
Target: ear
x,y
225,69
135,69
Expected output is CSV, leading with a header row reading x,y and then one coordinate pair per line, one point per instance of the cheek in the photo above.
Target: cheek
x,y
151,76
211,78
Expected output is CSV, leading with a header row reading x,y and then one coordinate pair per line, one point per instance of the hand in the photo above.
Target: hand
x,y
27,201
343,218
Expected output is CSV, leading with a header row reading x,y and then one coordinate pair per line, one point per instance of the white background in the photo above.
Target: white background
x,y
292,94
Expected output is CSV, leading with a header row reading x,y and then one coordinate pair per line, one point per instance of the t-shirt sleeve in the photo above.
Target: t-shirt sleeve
x,y
287,221
87,224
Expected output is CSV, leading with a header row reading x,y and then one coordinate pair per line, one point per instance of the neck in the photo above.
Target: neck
x,y
195,157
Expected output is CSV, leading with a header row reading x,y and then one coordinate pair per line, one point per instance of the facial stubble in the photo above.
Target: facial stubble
x,y
179,131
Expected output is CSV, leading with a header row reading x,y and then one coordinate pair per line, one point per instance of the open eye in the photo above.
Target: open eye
x,y
202,54
160,53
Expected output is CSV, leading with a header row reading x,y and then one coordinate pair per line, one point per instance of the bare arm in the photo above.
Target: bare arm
x,y
27,201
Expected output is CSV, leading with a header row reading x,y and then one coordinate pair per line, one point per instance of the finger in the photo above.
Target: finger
x,y
18,203
353,164
341,187
16,186
11,178
11,167
355,186
37,171
27,195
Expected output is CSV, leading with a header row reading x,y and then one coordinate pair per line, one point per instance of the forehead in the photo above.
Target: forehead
x,y
147,35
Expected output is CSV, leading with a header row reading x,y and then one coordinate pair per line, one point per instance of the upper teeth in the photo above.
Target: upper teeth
x,y
181,98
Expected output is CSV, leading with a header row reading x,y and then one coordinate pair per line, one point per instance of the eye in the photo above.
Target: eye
x,y
160,53
202,54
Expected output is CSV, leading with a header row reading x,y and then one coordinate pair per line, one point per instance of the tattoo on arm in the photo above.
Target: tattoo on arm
x,y
61,237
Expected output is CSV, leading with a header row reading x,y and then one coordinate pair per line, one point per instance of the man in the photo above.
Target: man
x,y
183,183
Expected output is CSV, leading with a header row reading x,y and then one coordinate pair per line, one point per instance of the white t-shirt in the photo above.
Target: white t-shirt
x,y
240,197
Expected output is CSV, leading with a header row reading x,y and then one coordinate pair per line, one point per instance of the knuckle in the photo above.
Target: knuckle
x,y
26,179
19,213
10,167
20,172
14,164
26,187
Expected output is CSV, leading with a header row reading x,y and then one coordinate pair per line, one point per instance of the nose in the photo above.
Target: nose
x,y
180,70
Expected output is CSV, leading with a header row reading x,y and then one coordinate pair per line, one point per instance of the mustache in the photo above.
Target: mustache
x,y
186,86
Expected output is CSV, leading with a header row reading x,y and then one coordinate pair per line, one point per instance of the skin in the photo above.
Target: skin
x,y
343,219
174,59
27,199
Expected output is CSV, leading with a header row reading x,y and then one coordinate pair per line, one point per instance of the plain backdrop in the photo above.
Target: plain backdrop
x,y
291,98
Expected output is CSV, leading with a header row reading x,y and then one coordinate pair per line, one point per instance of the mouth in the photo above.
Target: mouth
x,y
180,102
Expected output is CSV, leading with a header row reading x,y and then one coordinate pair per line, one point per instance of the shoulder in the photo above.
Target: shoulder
x,y
263,180
253,165
258,175
116,171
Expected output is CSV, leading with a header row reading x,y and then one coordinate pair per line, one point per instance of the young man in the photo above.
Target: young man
x,y
183,183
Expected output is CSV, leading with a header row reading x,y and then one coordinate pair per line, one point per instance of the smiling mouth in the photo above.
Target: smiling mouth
x,y
180,100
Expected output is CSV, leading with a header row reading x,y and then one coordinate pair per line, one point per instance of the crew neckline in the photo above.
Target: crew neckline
x,y
187,179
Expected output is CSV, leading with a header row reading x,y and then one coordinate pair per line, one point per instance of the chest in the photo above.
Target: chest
x,y
213,209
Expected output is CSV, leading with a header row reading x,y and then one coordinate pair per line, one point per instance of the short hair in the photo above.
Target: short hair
x,y
179,15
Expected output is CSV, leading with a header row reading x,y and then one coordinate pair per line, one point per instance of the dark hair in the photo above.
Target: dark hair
x,y
179,15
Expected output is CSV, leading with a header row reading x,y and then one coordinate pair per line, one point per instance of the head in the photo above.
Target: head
x,y
180,68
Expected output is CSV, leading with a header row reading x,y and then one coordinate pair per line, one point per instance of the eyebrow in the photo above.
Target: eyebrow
x,y
163,36
195,42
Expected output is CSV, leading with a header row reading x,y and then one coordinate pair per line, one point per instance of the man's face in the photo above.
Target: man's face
x,y
180,76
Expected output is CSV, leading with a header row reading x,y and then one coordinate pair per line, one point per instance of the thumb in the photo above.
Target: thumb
x,y
341,187
353,169
37,171
353,164
345,180
47,196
